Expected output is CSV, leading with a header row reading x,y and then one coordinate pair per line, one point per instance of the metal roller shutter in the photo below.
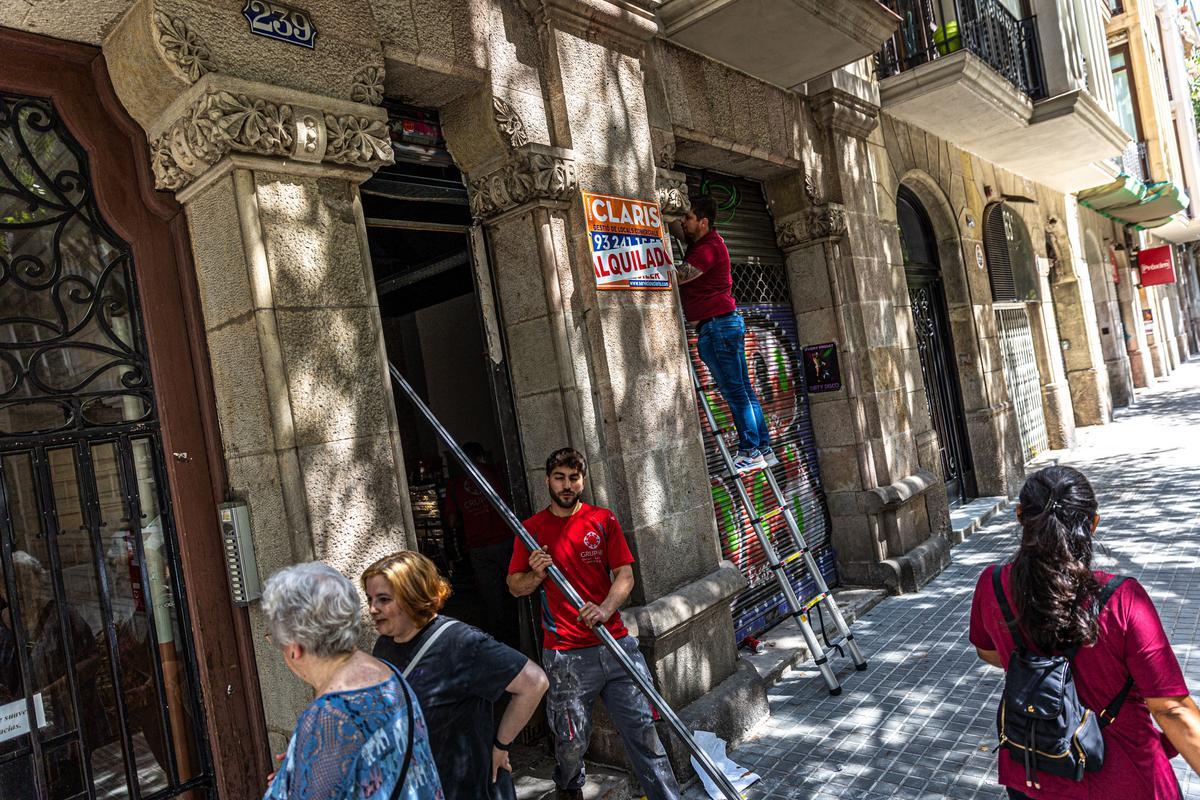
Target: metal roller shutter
x,y
773,351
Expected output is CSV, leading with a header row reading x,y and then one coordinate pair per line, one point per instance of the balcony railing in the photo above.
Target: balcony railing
x,y
984,27
1134,161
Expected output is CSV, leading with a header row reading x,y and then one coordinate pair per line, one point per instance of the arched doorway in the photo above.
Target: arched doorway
x,y
927,295
1012,271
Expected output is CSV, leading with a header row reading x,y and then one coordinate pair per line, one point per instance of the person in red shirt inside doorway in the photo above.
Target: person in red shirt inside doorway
x,y
488,542
587,544
706,291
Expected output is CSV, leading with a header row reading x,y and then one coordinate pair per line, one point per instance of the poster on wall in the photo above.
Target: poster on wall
x,y
1156,265
822,372
629,245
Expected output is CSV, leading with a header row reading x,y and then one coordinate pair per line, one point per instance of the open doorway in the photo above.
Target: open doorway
x,y
440,330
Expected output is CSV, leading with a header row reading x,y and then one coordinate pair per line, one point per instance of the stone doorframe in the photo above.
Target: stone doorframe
x,y
990,417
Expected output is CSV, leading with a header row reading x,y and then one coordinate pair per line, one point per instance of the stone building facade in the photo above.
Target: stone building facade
x,y
261,155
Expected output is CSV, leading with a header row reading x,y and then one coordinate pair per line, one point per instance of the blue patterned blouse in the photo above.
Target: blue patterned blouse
x,y
350,746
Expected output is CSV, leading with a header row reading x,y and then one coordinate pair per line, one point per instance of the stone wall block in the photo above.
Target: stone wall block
x,y
516,270
832,425
327,353
808,275
311,237
531,357
239,388
818,326
353,501
256,479
839,468
219,258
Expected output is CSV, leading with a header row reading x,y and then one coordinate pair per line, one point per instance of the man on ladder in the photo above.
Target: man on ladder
x,y
706,291
586,543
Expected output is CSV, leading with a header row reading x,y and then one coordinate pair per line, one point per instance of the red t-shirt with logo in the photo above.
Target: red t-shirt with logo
x,y
585,546
710,294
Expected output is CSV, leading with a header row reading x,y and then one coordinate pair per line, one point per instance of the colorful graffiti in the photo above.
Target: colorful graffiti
x,y
774,358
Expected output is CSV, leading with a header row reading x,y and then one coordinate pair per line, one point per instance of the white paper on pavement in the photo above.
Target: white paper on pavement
x,y
714,747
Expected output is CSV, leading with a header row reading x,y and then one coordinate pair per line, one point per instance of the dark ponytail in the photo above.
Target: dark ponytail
x,y
1052,579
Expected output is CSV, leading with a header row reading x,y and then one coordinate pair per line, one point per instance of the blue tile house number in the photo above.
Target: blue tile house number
x,y
280,22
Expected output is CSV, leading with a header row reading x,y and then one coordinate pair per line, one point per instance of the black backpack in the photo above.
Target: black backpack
x,y
1041,720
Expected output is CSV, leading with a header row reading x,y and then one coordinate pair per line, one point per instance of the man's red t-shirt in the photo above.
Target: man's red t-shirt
x,y
482,526
585,546
1130,643
710,294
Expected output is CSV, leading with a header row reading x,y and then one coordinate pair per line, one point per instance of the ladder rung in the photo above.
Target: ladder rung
x,y
767,516
814,601
798,554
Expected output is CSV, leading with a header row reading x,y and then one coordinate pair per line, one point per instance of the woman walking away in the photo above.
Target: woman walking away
x,y
363,738
1086,659
457,672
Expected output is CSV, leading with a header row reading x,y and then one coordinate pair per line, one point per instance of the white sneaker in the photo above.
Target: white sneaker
x,y
748,462
769,456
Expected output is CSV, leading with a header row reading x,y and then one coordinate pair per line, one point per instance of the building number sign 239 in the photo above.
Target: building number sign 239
x,y
280,22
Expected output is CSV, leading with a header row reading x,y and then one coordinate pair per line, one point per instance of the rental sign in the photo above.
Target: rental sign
x,y
628,242
1156,265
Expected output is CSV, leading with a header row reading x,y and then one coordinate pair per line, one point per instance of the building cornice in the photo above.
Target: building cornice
x,y
533,173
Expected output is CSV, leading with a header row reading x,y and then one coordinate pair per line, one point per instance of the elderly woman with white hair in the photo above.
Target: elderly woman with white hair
x,y
363,737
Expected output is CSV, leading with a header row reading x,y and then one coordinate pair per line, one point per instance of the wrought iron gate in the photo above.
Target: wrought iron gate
x,y
97,674
935,346
1022,378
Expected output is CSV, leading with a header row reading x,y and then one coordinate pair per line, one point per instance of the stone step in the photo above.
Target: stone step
x,y
970,517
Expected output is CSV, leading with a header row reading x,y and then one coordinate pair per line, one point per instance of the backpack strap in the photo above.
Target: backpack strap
x,y
409,700
1009,618
1109,714
433,637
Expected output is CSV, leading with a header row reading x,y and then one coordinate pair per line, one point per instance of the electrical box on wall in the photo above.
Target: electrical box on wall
x,y
240,564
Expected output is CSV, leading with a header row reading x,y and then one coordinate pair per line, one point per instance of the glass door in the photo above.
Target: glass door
x,y
98,691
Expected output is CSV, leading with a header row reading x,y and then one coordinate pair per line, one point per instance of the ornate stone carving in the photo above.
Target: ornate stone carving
x,y
215,124
358,140
826,221
183,46
220,122
368,86
510,123
672,193
529,176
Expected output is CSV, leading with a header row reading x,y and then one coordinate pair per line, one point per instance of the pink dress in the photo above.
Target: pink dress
x,y
1131,642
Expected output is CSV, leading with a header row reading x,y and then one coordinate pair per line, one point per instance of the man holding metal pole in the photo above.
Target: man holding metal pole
x,y
586,543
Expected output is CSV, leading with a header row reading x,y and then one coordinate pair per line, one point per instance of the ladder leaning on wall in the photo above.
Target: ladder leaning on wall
x,y
799,611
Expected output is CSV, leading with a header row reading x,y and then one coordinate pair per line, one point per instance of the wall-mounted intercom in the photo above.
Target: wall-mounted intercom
x,y
240,564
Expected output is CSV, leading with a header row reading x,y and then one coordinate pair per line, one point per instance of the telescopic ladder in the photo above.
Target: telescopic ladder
x,y
798,611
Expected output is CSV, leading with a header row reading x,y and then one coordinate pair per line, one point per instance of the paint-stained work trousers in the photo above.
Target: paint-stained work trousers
x,y
577,678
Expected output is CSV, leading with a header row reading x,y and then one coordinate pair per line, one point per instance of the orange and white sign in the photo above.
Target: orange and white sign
x,y
628,242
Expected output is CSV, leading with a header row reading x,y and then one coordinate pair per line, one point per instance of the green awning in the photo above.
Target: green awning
x,y
1132,202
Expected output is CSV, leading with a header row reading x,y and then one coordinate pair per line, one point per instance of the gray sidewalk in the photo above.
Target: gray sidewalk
x,y
919,723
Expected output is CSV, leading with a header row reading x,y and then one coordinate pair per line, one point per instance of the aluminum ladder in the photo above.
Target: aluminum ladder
x,y
798,611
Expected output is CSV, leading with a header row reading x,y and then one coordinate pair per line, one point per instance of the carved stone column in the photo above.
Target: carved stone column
x,y
880,471
604,371
265,144
1075,313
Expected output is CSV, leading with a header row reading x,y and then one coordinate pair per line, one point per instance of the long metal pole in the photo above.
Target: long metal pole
x,y
560,580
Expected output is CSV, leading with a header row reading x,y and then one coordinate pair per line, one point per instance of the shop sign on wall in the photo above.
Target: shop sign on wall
x,y
822,373
628,242
1156,266
277,21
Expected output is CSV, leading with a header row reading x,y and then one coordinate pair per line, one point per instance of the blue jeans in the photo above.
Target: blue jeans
x,y
722,347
